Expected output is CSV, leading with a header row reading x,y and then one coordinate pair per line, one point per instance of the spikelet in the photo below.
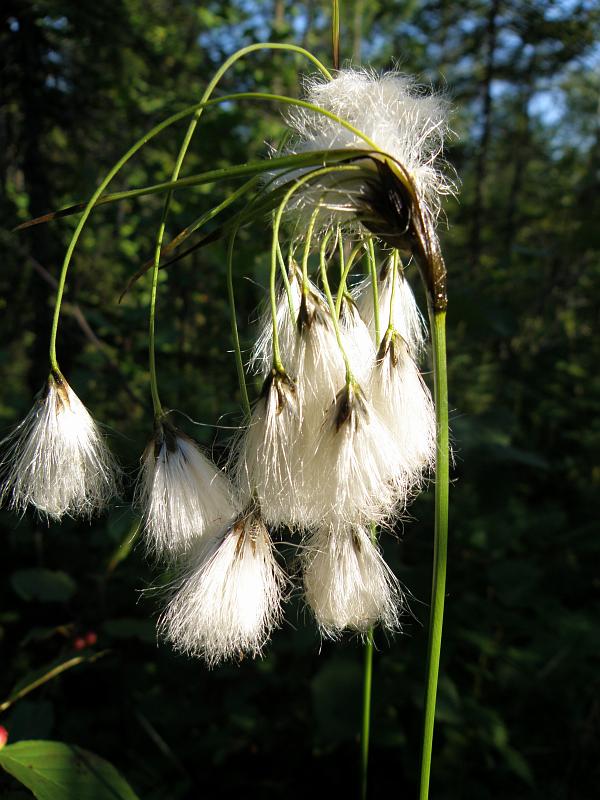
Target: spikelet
x,y
347,583
182,494
357,472
357,339
56,459
405,406
261,357
397,307
228,599
268,468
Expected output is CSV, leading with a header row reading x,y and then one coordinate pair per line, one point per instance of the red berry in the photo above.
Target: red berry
x,y
3,736
91,638
79,643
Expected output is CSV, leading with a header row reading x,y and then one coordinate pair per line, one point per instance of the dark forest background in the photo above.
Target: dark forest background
x,y
519,705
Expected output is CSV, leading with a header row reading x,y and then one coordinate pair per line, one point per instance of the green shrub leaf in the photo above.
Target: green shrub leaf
x,y
57,771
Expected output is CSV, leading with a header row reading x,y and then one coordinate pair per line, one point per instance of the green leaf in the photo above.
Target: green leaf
x,y
57,771
44,585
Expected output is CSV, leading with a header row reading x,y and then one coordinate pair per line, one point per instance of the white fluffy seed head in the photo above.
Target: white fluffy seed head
x,y
261,358
397,307
317,364
267,469
402,119
56,459
182,494
404,403
228,600
357,338
357,472
347,584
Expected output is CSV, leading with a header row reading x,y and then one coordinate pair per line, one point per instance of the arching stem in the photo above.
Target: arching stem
x,y
239,362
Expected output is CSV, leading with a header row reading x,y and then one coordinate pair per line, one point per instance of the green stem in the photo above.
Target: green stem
x,y
275,249
366,714
298,185
307,246
375,290
286,281
175,175
395,259
367,694
334,319
239,362
158,412
440,552
343,280
248,169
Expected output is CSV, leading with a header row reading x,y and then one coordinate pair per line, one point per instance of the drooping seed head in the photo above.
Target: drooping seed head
x,y
56,460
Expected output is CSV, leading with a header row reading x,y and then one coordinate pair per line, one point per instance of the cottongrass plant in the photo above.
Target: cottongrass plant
x,y
181,493
343,434
56,460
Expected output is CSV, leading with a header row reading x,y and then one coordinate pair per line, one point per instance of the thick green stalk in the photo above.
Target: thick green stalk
x,y
335,33
440,552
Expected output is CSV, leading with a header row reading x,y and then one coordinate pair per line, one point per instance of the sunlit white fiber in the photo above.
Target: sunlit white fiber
x,y
347,583
358,341
269,464
182,494
358,471
397,115
228,599
56,459
404,403
317,363
261,358
396,303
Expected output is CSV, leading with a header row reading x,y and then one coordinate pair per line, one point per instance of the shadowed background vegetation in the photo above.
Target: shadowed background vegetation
x,y
519,709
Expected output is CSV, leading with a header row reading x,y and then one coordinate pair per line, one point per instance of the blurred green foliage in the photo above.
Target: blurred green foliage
x,y
518,713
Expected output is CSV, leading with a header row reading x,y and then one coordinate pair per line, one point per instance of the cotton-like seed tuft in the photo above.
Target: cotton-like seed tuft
x,y
347,583
397,307
397,115
56,460
261,358
357,472
228,599
182,494
267,466
404,404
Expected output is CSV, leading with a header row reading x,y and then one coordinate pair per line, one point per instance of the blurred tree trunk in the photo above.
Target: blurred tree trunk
x,y
486,121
